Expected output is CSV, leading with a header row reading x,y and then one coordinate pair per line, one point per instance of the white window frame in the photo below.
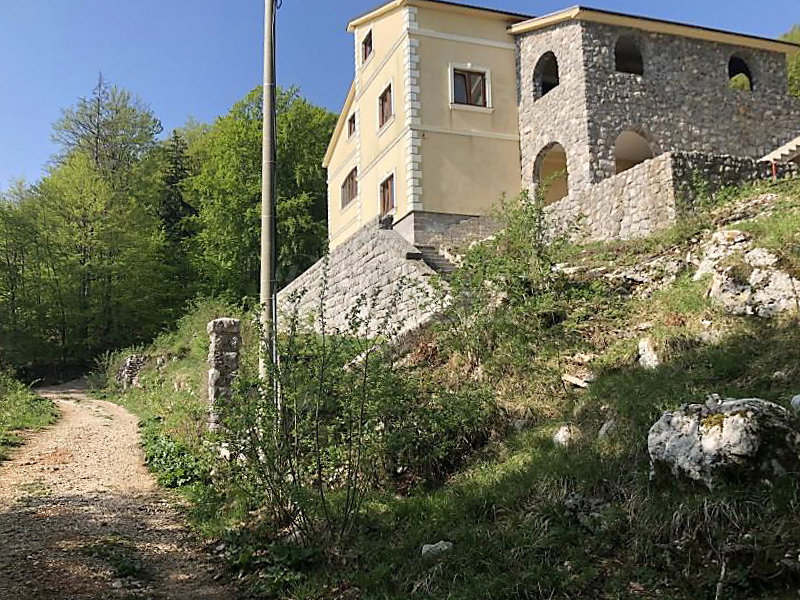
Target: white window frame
x,y
390,120
365,61
487,72
352,115
393,175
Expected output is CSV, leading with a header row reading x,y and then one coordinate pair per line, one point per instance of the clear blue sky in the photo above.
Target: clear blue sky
x,y
197,57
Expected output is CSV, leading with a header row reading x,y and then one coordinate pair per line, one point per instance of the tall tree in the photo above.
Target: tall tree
x,y
226,190
111,126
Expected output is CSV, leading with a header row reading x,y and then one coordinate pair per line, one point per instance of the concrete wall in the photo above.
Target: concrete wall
x,y
651,195
376,264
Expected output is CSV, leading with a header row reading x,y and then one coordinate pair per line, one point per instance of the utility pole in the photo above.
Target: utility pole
x,y
268,229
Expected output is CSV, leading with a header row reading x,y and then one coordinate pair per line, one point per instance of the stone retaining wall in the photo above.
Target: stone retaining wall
x,y
649,197
376,265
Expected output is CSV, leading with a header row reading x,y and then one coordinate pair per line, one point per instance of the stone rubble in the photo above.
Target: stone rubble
x,y
128,374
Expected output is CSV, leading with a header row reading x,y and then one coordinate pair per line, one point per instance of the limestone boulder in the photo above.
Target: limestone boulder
x,y
747,280
728,440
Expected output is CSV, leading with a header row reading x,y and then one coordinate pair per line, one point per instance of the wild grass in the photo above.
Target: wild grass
x,y
21,410
505,507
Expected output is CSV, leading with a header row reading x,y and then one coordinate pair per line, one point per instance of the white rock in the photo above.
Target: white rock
x,y
706,442
567,435
796,403
432,550
648,358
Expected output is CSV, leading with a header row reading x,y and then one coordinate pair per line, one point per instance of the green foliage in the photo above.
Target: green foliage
x,y
741,83
794,61
175,464
20,410
345,419
225,190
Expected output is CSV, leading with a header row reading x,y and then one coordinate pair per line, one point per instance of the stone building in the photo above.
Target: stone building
x,y
610,118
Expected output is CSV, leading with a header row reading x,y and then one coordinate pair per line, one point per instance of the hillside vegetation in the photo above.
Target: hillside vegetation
x,y
21,410
458,431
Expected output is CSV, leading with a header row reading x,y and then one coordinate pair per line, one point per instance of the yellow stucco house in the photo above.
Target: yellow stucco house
x,y
452,106
468,133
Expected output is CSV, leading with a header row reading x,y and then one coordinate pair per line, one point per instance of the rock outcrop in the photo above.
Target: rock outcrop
x,y
128,374
726,440
747,280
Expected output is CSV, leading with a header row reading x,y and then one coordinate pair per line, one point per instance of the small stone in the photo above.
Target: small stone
x,y
117,584
433,550
567,435
607,429
648,358
796,403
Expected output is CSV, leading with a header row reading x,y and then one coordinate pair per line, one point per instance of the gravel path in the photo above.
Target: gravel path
x,y
81,517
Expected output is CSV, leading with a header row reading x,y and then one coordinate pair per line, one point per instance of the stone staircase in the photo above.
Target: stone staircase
x,y
786,153
435,260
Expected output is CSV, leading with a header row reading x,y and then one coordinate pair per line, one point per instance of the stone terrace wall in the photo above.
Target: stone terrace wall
x,y
633,204
375,262
649,197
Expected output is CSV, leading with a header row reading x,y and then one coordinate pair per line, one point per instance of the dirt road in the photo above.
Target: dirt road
x,y
81,517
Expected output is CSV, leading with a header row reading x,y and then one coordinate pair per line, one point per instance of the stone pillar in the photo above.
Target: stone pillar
x,y
223,358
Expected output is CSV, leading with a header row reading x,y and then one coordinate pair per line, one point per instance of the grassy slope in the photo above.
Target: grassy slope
x,y
20,410
505,512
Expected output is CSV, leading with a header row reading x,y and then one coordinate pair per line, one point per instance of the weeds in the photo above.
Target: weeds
x,y
21,410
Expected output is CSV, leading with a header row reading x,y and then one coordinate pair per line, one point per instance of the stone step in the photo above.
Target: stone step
x,y
436,261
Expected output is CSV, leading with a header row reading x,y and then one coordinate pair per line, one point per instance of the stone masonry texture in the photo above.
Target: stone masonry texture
x,y
651,195
225,344
682,102
376,267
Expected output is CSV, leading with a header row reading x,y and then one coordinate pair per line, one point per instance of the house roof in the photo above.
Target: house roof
x,y
582,13
441,4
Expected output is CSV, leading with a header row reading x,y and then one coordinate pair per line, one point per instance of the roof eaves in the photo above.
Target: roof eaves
x,y
337,131
393,4
656,25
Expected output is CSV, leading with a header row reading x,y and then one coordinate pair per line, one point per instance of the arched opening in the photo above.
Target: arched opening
x,y
550,174
739,76
631,149
545,76
628,57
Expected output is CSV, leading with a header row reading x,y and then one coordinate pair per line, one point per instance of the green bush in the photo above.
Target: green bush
x,y
174,463
21,409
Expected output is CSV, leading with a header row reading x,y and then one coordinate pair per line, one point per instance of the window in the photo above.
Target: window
x,y
739,76
350,188
351,126
545,75
385,108
469,87
628,57
366,48
387,195
631,149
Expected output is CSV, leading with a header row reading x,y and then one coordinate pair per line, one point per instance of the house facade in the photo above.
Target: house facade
x,y
453,106
611,120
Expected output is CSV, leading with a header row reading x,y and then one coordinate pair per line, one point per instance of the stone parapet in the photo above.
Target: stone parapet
x,y
225,344
650,196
